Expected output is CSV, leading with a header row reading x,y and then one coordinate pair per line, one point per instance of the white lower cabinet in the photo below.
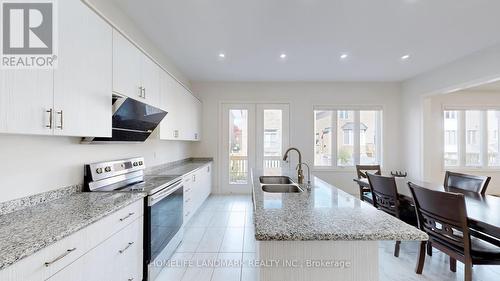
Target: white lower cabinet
x,y
117,258
109,249
197,187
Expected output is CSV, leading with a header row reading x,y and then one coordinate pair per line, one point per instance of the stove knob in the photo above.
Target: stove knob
x,y
135,164
107,169
99,170
140,163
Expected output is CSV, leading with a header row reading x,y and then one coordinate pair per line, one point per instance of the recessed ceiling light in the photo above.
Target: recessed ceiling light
x,y
344,56
222,55
405,57
283,56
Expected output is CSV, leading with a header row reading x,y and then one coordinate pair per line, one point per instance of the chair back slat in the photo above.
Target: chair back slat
x,y
443,216
385,193
362,169
466,182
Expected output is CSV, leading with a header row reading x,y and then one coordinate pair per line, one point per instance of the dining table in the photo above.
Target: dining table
x,y
483,211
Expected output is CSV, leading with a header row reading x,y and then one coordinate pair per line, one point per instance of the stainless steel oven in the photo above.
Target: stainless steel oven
x,y
163,216
163,226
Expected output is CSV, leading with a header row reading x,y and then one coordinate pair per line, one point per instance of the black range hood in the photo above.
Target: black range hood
x,y
133,121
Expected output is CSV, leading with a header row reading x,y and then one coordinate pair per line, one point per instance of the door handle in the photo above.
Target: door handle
x,y
141,91
127,216
50,112
60,113
124,249
59,257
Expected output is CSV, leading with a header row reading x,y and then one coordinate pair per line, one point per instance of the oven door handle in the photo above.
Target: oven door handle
x,y
157,197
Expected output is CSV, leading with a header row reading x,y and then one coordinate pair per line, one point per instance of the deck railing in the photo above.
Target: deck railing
x,y
238,167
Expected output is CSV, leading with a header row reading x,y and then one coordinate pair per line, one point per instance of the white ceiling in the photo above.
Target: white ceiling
x,y
313,34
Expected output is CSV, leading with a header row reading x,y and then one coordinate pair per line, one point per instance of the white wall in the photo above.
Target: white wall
x,y
302,96
479,68
433,132
34,164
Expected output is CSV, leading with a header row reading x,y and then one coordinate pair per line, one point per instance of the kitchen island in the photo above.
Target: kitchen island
x,y
319,234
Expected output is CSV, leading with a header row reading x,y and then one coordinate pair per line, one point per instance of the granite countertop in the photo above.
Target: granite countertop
x,y
179,169
28,230
323,213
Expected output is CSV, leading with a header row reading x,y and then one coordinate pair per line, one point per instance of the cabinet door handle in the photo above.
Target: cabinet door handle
x,y
141,91
124,249
60,113
50,112
127,216
59,257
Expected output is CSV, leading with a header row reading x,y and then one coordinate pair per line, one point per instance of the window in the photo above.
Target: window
x,y
493,120
323,138
471,138
349,136
343,114
450,115
450,139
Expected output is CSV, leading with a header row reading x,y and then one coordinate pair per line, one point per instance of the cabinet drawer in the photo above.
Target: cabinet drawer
x,y
47,261
113,223
117,258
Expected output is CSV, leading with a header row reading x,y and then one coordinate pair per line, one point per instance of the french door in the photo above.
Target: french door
x,y
253,136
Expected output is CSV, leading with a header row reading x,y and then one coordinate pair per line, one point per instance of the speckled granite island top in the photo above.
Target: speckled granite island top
x,y
29,230
324,213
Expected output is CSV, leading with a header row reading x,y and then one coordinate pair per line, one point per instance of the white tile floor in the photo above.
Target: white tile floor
x,y
222,230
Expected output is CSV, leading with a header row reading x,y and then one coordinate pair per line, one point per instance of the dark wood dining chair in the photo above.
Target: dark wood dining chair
x,y
443,216
466,182
361,170
470,183
385,198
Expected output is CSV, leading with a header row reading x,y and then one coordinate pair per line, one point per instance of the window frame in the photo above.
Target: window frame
x,y
462,137
356,137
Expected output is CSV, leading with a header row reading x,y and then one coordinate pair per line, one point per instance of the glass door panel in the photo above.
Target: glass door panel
x,y
237,149
238,146
272,134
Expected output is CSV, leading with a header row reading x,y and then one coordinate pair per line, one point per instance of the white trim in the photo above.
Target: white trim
x,y
347,107
451,107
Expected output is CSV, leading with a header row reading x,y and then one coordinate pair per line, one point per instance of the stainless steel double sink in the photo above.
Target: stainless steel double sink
x,y
279,184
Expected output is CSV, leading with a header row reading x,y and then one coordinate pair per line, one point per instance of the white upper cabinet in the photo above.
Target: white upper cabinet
x,y
197,109
127,61
82,80
150,78
169,99
184,111
26,98
75,98
135,75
